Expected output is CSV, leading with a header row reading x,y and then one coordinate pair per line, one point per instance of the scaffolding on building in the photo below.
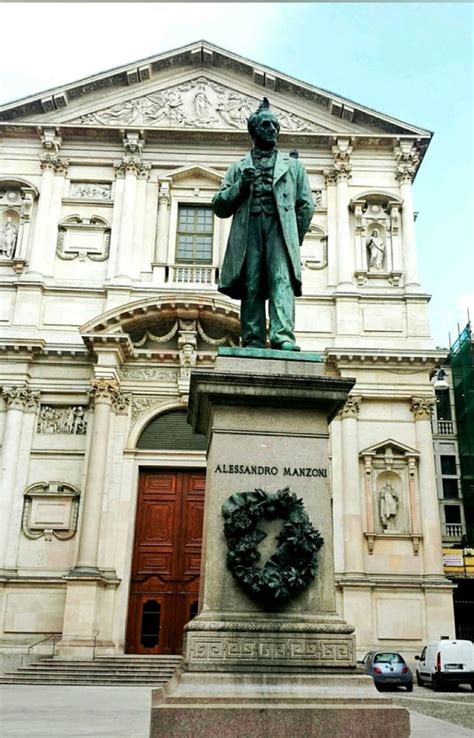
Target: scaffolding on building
x,y
461,356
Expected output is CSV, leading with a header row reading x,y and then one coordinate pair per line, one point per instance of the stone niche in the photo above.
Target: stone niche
x,y
16,202
390,473
376,223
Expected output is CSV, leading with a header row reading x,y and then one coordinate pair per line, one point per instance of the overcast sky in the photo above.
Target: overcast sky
x,y
410,60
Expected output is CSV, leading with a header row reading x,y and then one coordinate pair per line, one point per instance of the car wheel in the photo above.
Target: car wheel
x,y
419,681
437,686
380,687
409,687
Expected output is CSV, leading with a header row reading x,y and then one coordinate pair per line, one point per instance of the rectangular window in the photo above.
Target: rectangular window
x,y
443,406
452,514
450,488
448,465
194,234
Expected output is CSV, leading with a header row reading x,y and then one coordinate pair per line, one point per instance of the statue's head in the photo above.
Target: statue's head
x,y
264,126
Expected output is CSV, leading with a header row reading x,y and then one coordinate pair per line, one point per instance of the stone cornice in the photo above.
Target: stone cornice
x,y
202,54
382,357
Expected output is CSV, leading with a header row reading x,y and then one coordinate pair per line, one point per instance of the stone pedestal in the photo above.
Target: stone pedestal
x,y
250,670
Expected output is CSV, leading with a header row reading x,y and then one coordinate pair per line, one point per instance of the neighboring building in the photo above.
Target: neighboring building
x,y
109,258
453,436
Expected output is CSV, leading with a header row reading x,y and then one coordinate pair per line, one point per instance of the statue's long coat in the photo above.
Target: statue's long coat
x,y
295,206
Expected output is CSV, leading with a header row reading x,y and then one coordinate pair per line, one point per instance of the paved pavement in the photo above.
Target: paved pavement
x,y
124,712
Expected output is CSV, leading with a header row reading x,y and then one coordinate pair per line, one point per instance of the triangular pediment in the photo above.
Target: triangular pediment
x,y
199,86
389,446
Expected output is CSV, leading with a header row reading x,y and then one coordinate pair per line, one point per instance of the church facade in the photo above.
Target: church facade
x,y
109,262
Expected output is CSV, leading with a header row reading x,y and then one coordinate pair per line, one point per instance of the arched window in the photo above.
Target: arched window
x,y
170,431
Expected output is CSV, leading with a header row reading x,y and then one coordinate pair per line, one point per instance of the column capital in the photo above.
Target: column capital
x,y
104,391
330,176
21,398
422,407
407,158
132,164
352,407
53,163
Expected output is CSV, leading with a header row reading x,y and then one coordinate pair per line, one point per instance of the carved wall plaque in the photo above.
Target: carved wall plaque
x,y
70,419
50,509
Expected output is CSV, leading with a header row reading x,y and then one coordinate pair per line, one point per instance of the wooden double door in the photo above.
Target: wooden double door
x,y
166,560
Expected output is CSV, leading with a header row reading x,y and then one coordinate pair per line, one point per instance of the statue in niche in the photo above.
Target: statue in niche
x,y
388,506
8,237
187,358
376,247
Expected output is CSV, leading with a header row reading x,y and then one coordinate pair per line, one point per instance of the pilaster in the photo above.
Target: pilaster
x,y
352,515
407,158
422,407
19,400
130,167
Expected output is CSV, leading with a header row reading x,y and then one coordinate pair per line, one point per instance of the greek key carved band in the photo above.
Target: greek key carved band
x,y
315,651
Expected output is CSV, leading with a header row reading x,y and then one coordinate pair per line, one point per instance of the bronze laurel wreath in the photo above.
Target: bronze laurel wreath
x,y
293,565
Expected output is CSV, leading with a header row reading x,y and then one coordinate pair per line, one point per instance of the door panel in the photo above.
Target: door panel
x,y
166,560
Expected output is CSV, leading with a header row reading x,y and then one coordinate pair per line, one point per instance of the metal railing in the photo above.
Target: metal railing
x,y
54,637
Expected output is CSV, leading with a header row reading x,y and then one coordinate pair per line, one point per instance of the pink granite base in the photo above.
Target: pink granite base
x,y
227,721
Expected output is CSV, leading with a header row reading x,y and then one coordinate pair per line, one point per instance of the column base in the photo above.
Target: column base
x,y
276,705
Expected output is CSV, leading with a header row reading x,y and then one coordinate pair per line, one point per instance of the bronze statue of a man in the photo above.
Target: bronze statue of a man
x,y
269,195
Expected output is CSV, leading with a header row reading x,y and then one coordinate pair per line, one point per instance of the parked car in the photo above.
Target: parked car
x,y
388,669
446,662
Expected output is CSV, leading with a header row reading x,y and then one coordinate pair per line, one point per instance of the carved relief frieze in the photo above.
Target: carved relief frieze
x,y
199,103
90,191
50,509
71,419
149,374
83,238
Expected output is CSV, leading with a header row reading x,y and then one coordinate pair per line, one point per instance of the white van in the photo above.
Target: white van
x,y
446,662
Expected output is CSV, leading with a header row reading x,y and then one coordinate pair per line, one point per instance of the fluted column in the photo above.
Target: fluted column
x,y
407,160
429,507
103,392
18,400
50,164
163,224
353,521
130,167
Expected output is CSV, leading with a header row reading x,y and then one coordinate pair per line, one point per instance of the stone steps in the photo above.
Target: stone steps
x,y
107,671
